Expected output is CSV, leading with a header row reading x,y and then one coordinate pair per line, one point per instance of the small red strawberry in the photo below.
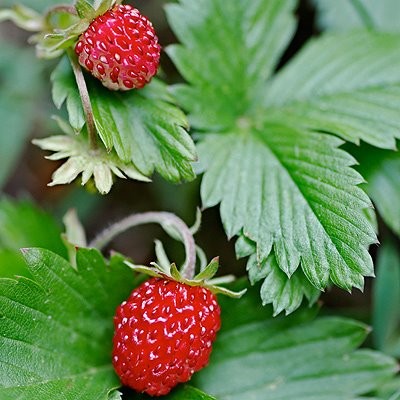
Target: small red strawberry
x,y
120,48
163,334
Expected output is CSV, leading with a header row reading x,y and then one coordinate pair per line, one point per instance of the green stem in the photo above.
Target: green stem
x,y
162,218
363,14
86,104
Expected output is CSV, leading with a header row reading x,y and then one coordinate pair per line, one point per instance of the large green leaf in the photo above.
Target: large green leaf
x,y
343,15
345,84
55,331
381,170
280,180
230,49
17,104
144,126
291,358
293,192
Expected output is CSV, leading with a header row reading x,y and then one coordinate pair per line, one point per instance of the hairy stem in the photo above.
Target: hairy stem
x,y
86,104
363,14
63,8
188,268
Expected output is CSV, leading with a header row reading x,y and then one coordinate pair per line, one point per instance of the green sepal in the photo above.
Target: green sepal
x,y
208,271
202,279
23,17
227,292
143,269
85,10
175,272
104,6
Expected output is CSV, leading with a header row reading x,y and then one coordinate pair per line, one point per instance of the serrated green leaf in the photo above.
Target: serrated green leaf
x,y
56,330
293,192
344,84
291,358
386,300
144,126
209,271
285,294
381,170
63,82
344,15
280,184
230,49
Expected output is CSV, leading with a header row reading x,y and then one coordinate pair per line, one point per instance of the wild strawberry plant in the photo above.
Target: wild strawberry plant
x,y
292,148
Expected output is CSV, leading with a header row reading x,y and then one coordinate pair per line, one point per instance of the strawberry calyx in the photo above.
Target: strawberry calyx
x,y
60,27
205,278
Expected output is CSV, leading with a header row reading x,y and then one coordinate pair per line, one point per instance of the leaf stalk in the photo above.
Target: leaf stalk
x,y
84,95
165,219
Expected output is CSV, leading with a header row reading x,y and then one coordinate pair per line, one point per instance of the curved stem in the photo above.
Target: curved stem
x,y
188,268
86,104
63,8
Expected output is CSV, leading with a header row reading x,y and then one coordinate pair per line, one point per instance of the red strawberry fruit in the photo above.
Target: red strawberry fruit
x,y
163,334
120,48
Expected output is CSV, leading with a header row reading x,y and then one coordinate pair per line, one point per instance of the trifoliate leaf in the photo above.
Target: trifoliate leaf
x,y
56,331
143,126
280,183
290,358
96,163
344,15
381,170
229,49
293,192
345,84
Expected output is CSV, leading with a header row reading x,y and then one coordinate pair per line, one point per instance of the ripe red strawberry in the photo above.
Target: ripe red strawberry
x,y
163,334
120,48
